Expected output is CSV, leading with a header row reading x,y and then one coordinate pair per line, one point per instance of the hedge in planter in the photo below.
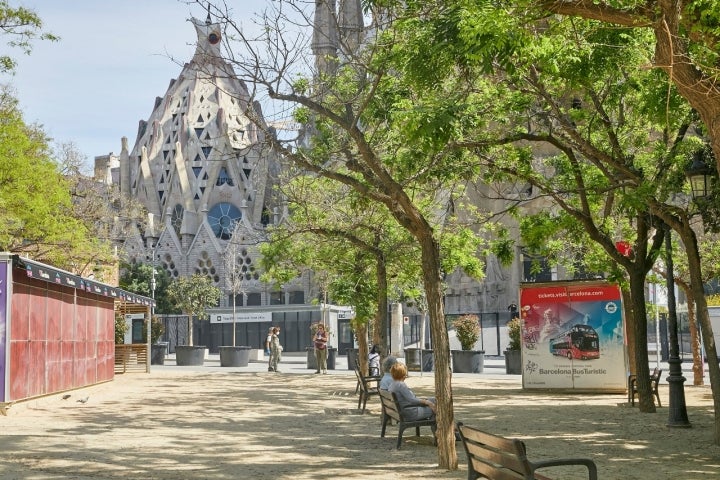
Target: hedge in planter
x,y
467,360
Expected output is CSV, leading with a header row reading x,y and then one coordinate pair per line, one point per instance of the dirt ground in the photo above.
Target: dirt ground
x,y
176,424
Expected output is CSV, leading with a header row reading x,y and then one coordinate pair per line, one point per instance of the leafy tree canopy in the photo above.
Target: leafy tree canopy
x,y
21,26
36,211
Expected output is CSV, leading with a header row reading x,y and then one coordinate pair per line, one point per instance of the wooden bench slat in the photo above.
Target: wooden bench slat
x,y
506,458
496,473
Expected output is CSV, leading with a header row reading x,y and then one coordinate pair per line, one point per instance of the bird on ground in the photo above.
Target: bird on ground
x,y
66,396
84,400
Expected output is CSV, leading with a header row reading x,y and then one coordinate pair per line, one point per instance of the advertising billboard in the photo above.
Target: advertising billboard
x,y
573,336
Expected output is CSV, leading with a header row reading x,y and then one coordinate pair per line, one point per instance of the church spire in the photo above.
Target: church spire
x,y
325,36
209,35
350,20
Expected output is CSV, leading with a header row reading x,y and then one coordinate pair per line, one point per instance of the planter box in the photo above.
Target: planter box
x,y
190,355
468,361
352,358
235,356
513,362
312,361
157,354
412,359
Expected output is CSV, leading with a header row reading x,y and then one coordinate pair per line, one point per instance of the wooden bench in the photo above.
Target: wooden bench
x,y
499,458
654,383
369,377
367,387
391,411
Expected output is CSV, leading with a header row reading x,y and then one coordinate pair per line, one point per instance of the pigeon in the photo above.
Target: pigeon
x,y
65,397
83,400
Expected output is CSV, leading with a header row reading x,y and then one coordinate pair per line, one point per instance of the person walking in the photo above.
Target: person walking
x,y
320,343
275,350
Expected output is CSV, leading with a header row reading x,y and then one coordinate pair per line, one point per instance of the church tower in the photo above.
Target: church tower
x,y
201,169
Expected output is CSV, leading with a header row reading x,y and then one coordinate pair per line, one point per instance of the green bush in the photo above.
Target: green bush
x,y
467,330
514,327
156,331
121,328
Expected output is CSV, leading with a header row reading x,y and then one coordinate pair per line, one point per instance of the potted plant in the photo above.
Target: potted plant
x,y
157,351
193,295
235,282
513,356
467,331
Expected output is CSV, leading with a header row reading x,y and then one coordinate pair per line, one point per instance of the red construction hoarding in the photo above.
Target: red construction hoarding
x,y
57,330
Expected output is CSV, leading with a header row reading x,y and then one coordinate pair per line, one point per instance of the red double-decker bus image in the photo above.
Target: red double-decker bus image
x,y
581,341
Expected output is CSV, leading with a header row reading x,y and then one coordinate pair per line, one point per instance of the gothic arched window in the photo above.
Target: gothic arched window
x,y
177,218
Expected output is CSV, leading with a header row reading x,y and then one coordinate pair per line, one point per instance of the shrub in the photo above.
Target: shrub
x,y
514,333
121,328
156,330
467,330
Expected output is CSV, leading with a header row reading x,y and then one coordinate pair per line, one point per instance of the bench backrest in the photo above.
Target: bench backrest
x,y
390,405
493,456
364,381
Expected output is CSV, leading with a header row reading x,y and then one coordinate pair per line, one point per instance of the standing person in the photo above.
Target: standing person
x,y
320,342
374,362
413,408
275,350
267,342
387,379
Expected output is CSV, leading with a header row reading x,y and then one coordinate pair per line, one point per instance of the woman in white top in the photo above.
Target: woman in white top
x,y
374,362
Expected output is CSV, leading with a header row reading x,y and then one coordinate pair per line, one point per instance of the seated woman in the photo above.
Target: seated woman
x,y
387,379
413,408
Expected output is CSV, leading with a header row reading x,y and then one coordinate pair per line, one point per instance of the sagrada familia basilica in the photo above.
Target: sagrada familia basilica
x,y
205,176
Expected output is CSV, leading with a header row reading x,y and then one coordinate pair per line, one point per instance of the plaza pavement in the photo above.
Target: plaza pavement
x,y
212,422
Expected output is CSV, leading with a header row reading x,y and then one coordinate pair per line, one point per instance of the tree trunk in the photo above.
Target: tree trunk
x,y
629,331
447,454
698,372
639,326
362,356
190,329
696,284
379,331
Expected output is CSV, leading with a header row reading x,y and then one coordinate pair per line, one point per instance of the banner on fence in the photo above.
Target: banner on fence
x,y
572,336
245,317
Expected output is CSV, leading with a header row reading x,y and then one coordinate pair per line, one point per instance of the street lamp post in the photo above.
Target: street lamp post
x,y
677,411
153,284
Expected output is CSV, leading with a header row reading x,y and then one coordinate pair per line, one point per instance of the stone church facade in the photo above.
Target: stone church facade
x,y
203,172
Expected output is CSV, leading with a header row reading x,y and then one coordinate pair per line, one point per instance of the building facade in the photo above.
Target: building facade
x,y
205,175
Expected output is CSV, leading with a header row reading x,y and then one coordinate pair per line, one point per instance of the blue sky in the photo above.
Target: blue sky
x,y
94,85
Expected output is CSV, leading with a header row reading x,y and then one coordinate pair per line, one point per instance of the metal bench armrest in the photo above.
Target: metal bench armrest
x,y
590,464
